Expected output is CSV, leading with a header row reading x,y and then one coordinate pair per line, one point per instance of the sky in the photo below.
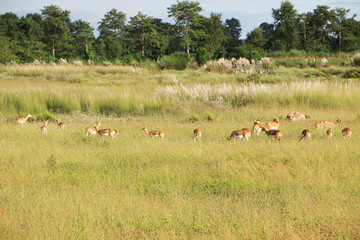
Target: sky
x,y
250,13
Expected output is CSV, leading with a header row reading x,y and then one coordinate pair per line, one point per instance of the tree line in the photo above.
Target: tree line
x,y
51,35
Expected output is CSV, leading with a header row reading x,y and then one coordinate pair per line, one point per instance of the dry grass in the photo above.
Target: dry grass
x,y
63,185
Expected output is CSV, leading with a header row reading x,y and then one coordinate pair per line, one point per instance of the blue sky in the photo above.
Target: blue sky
x,y
250,13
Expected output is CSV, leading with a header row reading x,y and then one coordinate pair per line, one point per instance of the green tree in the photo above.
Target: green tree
x,y
214,34
286,31
111,39
83,37
186,15
321,27
143,31
10,35
56,28
32,37
338,19
233,27
256,38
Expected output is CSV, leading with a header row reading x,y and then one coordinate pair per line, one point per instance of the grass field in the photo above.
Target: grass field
x,y
63,185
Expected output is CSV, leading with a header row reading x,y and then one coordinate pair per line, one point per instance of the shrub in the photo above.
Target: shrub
x,y
356,59
45,116
194,117
208,116
177,61
353,73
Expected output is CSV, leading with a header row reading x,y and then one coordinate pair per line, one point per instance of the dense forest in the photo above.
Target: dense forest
x,y
52,35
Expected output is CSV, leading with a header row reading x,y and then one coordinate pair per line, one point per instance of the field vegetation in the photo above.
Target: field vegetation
x,y
63,185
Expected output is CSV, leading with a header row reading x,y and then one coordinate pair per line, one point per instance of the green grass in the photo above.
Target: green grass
x,y
63,185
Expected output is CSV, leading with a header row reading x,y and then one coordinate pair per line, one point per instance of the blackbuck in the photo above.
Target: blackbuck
x,y
154,134
329,133
44,127
108,133
93,130
305,134
346,132
272,125
257,127
325,123
273,133
61,125
244,133
197,134
22,120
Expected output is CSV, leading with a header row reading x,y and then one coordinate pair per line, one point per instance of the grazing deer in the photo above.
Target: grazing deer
x,y
93,130
44,127
244,133
257,127
305,134
154,134
329,124
272,125
61,125
329,133
197,134
22,120
108,132
346,132
273,133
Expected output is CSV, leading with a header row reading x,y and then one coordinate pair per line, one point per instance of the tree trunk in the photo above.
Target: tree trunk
x,y
340,38
142,46
53,48
188,50
86,46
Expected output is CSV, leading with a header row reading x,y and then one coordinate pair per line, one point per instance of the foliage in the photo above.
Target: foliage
x,y
356,59
177,61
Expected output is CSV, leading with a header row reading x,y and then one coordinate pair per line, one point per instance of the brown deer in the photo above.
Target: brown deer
x,y
305,134
244,133
154,134
273,133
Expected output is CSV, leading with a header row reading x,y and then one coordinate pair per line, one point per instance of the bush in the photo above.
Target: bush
x,y
353,73
177,61
194,118
248,51
45,116
208,116
356,59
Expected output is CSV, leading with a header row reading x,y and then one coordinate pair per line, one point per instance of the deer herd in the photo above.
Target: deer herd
x,y
271,129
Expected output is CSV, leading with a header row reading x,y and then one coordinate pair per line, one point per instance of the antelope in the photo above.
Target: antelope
x,y
93,130
272,125
61,125
305,134
154,134
346,132
197,134
108,132
257,127
44,127
22,120
244,133
273,133
329,124
329,133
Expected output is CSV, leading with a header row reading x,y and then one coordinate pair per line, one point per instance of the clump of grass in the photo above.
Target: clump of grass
x,y
45,116
208,116
356,59
240,66
352,73
194,118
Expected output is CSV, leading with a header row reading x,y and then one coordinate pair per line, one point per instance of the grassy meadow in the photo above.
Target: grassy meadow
x,y
63,185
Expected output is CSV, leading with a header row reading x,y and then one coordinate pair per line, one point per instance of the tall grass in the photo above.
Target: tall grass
x,y
87,188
